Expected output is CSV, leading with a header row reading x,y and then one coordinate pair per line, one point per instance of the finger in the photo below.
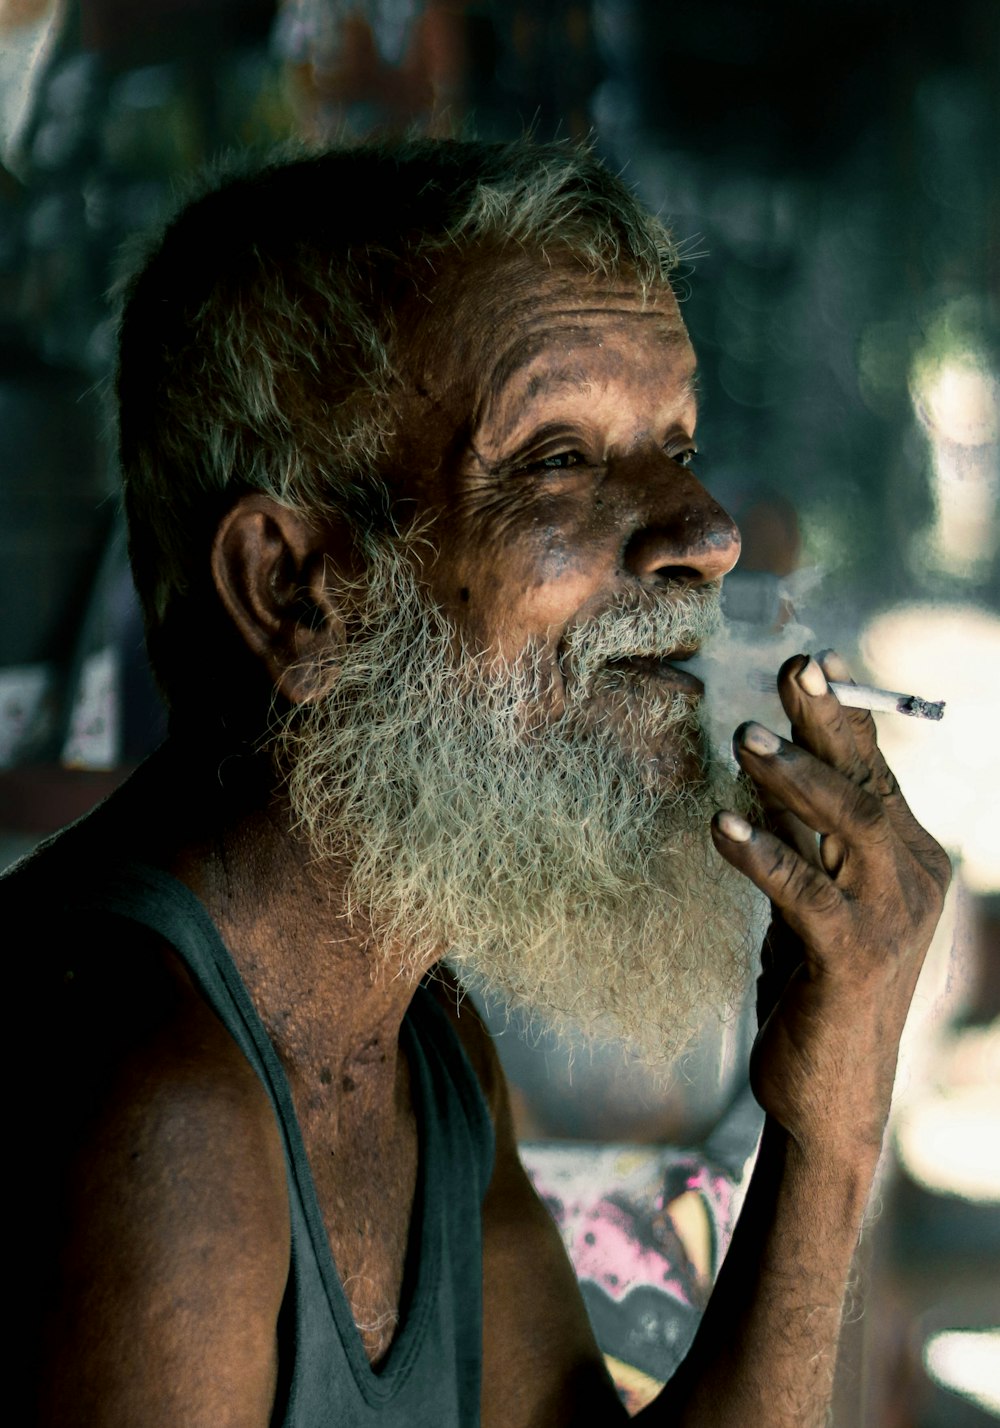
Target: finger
x,y
820,723
778,819
861,723
861,831
791,830
832,854
826,852
781,820
882,780
802,893
825,799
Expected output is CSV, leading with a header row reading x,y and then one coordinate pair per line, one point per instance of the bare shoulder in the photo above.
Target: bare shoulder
x,y
153,1193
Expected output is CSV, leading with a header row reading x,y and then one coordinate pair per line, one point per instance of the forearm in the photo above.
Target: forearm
x,y
766,1349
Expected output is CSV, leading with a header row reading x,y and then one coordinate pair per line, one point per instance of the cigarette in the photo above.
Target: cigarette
x,y
864,696
887,701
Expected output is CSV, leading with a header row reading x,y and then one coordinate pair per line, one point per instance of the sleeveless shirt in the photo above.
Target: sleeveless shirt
x,y
430,1377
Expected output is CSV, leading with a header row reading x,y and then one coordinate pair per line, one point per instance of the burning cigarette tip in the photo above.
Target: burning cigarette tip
x,y
921,708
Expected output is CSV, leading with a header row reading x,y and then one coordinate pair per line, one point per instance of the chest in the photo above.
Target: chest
x,y
364,1160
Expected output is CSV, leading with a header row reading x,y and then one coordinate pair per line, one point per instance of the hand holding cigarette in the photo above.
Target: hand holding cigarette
x,y
856,888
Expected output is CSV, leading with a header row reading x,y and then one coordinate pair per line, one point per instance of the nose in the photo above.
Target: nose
x,y
682,535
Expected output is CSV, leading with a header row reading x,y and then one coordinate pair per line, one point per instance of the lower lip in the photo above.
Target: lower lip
x,y
662,672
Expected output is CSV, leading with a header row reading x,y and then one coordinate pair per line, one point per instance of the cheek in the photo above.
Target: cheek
x,y
540,578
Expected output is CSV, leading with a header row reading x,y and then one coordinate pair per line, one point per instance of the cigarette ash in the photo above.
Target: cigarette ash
x,y
919,708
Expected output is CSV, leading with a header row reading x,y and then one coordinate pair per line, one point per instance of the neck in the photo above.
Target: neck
x,y
329,993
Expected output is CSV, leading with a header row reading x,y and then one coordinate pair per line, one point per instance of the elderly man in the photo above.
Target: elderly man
x,y
408,436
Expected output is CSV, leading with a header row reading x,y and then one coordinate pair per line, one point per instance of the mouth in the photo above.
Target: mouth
x,y
662,669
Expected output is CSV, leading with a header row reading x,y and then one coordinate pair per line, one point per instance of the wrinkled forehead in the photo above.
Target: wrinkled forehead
x,y
488,315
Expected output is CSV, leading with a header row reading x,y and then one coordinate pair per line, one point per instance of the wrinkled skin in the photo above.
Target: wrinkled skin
x,y
572,484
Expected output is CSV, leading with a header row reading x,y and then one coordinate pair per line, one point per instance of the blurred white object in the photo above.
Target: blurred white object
x,y
94,739
968,1362
956,397
26,710
28,30
949,772
948,1131
950,1143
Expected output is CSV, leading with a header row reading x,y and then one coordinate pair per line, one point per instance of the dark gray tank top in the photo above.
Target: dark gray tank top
x,y
431,1375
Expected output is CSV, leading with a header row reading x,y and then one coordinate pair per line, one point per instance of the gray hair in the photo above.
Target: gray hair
x,y
256,338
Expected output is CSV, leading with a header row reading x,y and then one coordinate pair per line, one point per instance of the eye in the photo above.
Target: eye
x,y
557,461
682,456
560,460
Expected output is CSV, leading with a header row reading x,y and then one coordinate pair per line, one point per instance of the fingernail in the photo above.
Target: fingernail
x,y
733,827
759,740
835,667
811,678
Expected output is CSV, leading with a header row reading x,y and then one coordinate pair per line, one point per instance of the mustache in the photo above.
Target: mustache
x,y
642,624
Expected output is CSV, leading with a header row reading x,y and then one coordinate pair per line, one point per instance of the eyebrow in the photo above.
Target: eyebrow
x,y
523,352
569,378
546,382
526,347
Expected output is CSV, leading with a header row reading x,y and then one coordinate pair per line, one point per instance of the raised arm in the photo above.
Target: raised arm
x,y
854,912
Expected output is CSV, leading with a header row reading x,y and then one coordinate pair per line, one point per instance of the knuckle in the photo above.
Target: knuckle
x,y
796,881
862,811
921,893
939,865
881,781
931,869
825,897
863,728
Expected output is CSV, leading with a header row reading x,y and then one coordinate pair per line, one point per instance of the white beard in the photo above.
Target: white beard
x,y
548,859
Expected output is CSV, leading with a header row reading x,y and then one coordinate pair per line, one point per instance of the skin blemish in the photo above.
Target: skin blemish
x,y
463,594
347,1084
325,1076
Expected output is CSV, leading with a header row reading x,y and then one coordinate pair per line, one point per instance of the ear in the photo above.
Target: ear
x,y
272,569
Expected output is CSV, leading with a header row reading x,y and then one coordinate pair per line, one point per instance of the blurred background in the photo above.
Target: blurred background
x,y
831,173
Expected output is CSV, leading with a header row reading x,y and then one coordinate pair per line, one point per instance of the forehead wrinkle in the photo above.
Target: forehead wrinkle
x,y
501,323
546,383
521,351
526,346
574,378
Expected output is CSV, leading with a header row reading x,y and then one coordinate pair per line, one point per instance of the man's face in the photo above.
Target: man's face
x,y
503,758
550,421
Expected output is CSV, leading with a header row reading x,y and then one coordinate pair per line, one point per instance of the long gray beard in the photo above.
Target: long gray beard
x,y
546,859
